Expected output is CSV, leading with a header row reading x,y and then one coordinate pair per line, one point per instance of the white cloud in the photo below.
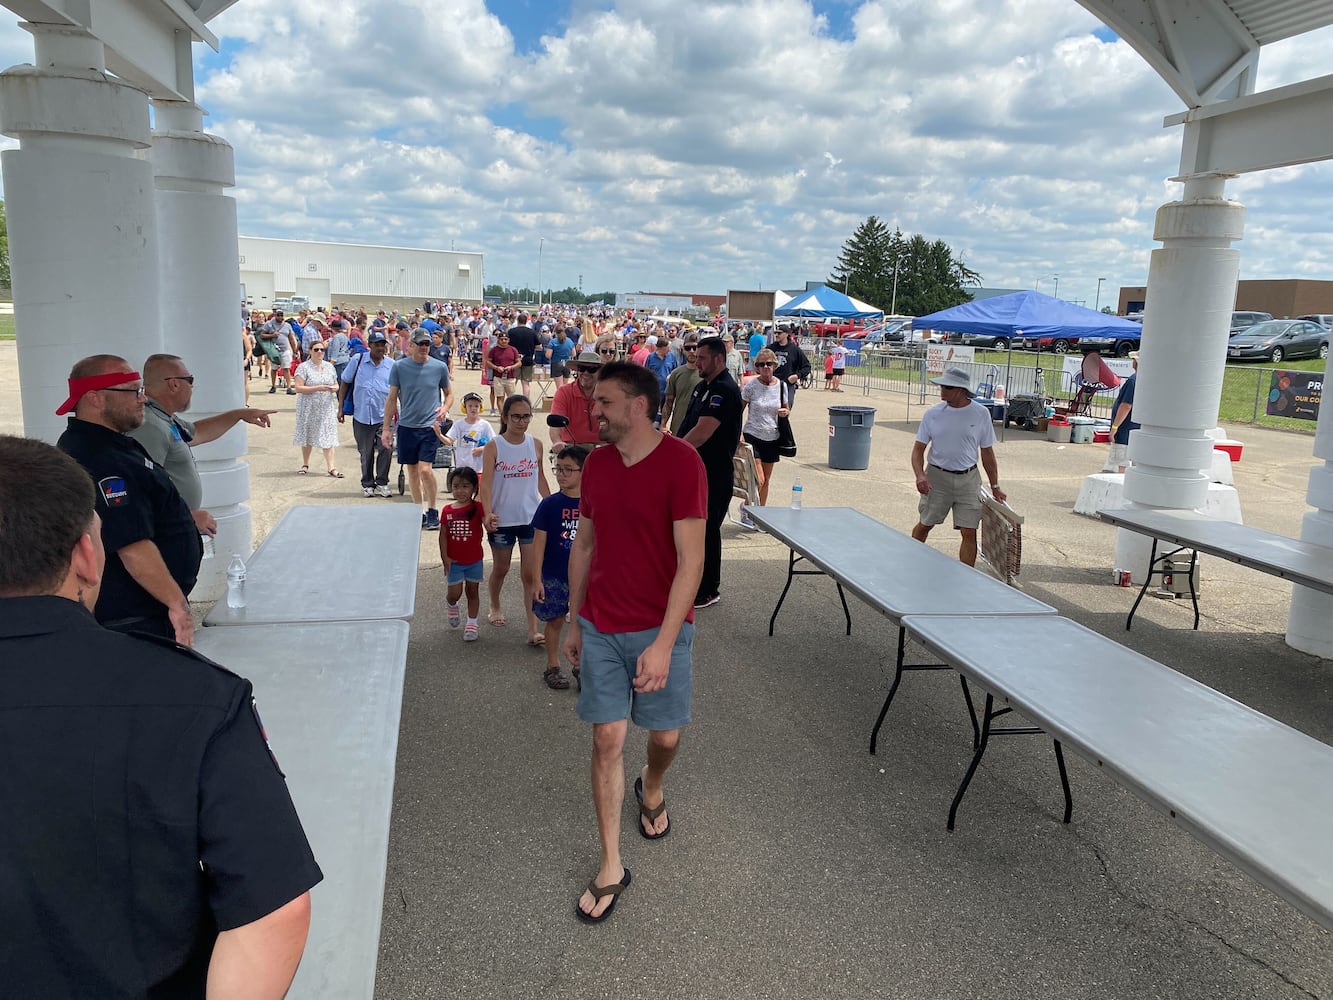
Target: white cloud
x,y
696,146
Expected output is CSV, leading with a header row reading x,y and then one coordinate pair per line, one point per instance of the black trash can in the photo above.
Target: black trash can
x,y
849,436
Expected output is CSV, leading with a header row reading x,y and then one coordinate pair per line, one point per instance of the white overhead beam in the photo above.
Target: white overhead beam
x,y
147,41
1201,49
1277,128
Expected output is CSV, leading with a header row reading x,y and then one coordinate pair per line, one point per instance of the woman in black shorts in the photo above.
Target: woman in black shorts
x,y
764,401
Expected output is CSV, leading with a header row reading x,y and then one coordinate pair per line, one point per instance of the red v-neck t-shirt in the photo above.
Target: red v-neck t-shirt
x,y
633,511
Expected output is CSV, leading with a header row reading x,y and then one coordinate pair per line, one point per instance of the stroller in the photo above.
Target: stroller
x,y
444,458
1094,376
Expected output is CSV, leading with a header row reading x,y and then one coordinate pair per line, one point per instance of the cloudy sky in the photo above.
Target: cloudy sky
x,y
697,145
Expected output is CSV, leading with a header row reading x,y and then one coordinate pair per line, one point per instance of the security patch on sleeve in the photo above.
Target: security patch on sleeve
x,y
263,733
114,491
715,401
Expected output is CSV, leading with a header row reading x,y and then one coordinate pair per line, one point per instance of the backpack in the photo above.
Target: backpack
x,y
349,400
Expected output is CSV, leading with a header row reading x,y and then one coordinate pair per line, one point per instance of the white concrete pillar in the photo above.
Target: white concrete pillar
x,y
82,231
200,297
1310,621
1191,292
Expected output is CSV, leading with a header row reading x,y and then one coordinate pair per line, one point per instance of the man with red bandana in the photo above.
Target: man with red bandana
x,y
152,545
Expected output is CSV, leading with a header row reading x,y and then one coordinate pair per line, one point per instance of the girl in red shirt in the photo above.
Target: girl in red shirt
x,y
461,530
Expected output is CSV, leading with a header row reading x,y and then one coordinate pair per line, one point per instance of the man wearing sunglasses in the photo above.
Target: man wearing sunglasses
x,y
574,401
167,437
151,541
680,385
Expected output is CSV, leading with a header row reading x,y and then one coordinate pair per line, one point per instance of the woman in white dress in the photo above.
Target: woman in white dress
x,y
316,384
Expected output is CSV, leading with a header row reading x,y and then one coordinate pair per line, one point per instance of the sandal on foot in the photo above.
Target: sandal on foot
x,y
335,474
455,615
537,640
649,814
470,632
555,680
303,470
598,893
498,620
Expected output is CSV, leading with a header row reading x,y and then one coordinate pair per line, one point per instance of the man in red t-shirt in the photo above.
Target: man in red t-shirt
x,y
634,571
502,361
574,400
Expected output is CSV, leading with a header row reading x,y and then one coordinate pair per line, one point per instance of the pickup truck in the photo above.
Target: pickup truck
x,y
841,328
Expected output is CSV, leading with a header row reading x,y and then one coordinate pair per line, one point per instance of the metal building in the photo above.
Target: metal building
x,y
355,275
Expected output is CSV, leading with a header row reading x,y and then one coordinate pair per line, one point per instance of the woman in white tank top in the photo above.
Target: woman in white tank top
x,y
513,483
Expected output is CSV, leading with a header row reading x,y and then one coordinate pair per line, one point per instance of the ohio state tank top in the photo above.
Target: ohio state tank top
x,y
514,491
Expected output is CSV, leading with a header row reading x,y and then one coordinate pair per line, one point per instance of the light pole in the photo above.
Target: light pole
x,y
1098,304
1057,285
893,306
541,241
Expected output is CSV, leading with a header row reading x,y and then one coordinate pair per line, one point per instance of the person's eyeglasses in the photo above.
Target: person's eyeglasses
x,y
568,470
188,379
608,352
138,392
589,369
519,416
313,350
765,364
689,347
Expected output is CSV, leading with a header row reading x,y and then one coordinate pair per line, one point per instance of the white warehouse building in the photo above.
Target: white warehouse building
x,y
355,275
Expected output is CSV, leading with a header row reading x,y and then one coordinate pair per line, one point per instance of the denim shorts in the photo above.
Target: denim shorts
x,y
556,604
416,445
606,669
507,535
460,572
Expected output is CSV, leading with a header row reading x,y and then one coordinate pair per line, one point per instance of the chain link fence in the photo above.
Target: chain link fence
x,y
902,372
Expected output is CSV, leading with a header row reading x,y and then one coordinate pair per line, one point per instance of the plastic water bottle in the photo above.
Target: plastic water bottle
x,y
236,582
796,495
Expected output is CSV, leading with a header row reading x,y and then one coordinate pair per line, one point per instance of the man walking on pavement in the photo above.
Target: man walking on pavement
x,y
634,568
367,379
960,434
793,365
418,382
712,425
169,438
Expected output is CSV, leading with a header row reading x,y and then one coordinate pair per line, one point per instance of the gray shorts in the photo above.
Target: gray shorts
x,y
961,494
607,666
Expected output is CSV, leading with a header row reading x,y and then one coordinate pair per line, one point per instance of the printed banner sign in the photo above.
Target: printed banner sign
x,y
942,356
1295,394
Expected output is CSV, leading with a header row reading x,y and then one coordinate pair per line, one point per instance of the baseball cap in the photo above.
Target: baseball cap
x,y
375,337
421,337
652,341
401,325
955,378
470,397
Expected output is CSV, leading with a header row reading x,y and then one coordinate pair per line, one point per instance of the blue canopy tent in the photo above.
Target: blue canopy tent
x,y
822,302
1030,313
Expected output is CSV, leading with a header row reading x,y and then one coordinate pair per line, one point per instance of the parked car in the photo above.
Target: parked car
x,y
1244,319
998,342
1058,344
1323,319
844,328
892,332
1119,344
1279,339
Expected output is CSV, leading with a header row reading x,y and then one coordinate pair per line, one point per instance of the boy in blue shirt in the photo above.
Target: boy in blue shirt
x,y
555,525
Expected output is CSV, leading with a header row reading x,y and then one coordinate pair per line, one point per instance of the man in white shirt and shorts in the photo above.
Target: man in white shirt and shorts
x,y
961,436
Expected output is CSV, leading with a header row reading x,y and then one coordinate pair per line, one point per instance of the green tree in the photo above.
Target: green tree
x,y
864,263
4,248
907,275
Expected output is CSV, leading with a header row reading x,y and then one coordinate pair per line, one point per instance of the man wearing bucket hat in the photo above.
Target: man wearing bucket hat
x,y
574,402
960,435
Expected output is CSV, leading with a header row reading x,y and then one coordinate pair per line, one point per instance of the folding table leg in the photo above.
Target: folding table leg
x,y
1064,780
893,689
976,758
848,615
1152,563
791,565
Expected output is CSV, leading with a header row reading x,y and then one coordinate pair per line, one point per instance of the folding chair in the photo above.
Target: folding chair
x,y
744,479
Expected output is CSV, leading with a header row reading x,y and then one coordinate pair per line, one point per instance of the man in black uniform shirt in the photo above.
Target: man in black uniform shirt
x,y
523,339
713,425
152,544
149,846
